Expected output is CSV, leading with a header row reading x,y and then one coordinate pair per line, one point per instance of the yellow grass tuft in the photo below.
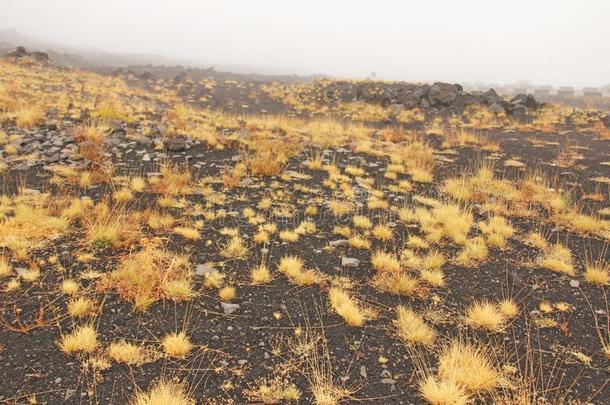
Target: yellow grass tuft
x,y
260,275
385,262
83,339
187,233
382,232
81,306
164,392
69,286
558,259
235,249
292,267
485,315
227,293
443,392
509,308
124,352
412,328
346,307
597,273
469,367
5,268
177,344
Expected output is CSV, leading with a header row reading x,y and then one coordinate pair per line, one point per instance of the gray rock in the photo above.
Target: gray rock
x,y
442,94
229,308
496,108
349,262
338,243
574,283
175,143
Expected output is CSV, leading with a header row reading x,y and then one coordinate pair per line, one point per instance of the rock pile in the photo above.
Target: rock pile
x,y
20,52
436,96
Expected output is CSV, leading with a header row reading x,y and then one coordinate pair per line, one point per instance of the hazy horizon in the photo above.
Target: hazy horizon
x,y
548,42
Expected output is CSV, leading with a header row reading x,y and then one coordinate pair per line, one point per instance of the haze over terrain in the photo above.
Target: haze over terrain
x,y
558,42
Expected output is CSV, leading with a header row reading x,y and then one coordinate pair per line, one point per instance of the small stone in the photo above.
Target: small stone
x,y
574,283
339,243
388,381
229,308
203,269
363,372
349,262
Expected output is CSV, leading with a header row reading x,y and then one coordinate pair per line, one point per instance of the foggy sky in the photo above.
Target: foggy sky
x,y
559,42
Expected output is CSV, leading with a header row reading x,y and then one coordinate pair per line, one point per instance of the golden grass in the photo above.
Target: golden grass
x,y
558,259
164,392
597,273
235,248
176,344
83,339
68,286
468,366
260,275
293,268
485,315
124,352
80,307
227,293
149,275
346,307
385,262
412,329
187,233
443,392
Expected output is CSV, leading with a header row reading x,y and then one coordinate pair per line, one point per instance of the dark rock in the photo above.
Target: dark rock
x,y
526,100
442,94
175,143
410,101
496,108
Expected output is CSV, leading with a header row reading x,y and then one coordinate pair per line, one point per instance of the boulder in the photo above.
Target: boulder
x,y
40,57
496,108
526,100
442,94
175,143
410,101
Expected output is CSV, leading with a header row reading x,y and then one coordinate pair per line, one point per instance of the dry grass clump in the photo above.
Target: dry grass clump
x,y
5,267
83,339
293,268
485,315
598,272
362,222
443,392
124,352
260,275
227,293
474,252
384,262
509,308
69,286
149,275
187,233
80,307
176,344
468,366
444,221
412,329
497,230
34,219
558,259
235,249
382,232
359,242
106,227
268,159
164,392
339,208
347,307
273,391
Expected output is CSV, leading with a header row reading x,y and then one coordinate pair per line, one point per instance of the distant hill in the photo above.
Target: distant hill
x,y
96,59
